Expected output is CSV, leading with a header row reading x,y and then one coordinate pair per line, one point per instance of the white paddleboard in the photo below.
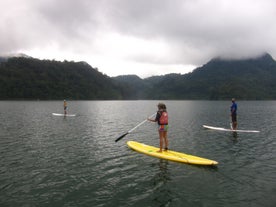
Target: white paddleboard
x,y
229,130
56,114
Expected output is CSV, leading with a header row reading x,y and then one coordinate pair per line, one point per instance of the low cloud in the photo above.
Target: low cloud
x,y
154,33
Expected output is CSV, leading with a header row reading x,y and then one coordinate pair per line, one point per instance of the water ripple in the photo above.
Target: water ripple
x,y
57,161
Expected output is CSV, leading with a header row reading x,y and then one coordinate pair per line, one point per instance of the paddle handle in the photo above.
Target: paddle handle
x,y
140,123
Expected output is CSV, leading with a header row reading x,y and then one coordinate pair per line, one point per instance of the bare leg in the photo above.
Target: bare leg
x,y
166,141
161,141
235,124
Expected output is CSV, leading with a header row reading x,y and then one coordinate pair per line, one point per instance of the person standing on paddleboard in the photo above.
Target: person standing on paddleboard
x,y
65,107
162,120
233,110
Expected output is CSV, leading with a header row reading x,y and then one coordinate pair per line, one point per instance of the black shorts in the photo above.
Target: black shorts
x,y
234,117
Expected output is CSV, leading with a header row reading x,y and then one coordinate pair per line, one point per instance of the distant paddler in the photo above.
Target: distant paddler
x,y
233,110
65,107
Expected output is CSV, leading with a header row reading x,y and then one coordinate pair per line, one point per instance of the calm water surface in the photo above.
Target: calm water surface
x,y
74,161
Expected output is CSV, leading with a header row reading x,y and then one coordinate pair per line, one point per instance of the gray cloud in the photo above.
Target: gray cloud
x,y
188,32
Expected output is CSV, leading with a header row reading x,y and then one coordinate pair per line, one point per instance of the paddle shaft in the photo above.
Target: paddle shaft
x,y
133,128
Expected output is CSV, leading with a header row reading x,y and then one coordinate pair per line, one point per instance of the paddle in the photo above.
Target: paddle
x,y
123,135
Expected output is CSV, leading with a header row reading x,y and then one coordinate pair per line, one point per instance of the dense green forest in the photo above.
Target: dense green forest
x,y
251,79
30,78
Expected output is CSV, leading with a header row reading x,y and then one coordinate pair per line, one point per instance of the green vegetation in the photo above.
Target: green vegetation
x,y
29,78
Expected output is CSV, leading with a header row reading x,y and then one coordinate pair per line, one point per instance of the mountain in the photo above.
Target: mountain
x,y
244,79
29,78
218,79
132,86
250,79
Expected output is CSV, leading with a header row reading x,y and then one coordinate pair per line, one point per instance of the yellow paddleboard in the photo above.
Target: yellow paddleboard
x,y
169,154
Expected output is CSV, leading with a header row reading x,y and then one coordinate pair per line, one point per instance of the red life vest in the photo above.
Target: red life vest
x,y
164,118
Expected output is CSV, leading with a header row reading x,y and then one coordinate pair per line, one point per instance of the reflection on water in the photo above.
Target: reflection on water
x,y
163,193
235,137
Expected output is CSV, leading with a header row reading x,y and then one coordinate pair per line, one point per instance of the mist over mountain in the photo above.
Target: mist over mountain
x,y
218,79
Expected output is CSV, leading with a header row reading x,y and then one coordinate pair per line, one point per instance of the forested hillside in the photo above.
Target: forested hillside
x,y
251,79
29,78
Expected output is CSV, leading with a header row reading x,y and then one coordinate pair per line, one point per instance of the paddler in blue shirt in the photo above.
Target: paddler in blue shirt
x,y
233,110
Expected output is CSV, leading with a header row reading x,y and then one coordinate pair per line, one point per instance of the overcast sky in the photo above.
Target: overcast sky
x,y
142,37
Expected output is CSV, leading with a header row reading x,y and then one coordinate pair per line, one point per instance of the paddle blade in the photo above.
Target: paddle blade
x,y
120,137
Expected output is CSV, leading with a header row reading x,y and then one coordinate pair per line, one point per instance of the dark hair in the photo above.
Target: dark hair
x,y
162,106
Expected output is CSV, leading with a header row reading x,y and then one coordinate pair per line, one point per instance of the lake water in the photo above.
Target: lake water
x,y
74,161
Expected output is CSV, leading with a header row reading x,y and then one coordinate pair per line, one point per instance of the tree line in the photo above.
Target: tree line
x,y
29,78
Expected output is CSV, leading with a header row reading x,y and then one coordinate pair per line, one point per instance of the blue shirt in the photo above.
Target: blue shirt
x,y
234,108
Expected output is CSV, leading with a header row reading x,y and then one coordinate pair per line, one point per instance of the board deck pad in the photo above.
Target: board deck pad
x,y
229,130
169,154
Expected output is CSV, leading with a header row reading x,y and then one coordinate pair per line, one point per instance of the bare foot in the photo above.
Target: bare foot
x,y
160,151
